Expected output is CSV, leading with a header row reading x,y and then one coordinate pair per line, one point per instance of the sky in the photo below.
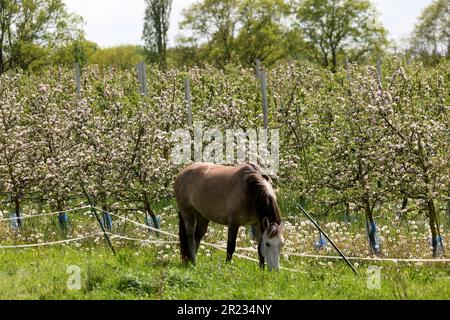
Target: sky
x,y
116,22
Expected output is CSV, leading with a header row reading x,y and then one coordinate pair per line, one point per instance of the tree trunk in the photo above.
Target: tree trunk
x,y
1,59
404,206
149,212
334,60
405,203
433,226
17,211
325,60
347,212
371,229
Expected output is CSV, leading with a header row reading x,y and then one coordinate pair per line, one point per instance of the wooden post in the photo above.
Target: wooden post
x,y
188,100
142,78
78,79
263,77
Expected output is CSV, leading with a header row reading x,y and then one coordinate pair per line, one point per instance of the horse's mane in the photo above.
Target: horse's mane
x,y
264,202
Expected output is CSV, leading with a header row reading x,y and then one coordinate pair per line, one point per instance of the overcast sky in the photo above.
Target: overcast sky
x,y
114,22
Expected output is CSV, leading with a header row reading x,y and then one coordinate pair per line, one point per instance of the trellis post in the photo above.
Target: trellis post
x,y
142,78
188,100
78,79
263,78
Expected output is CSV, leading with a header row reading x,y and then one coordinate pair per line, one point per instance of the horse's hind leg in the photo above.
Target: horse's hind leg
x,y
200,230
231,244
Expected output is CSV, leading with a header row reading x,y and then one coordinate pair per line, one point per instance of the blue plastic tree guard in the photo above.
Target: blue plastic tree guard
x,y
150,223
107,221
440,245
15,224
374,239
253,232
321,242
63,219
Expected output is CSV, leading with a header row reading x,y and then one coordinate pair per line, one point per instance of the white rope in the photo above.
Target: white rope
x,y
116,236
304,255
247,257
51,243
44,214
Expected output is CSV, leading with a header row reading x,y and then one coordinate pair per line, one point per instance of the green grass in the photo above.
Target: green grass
x,y
141,273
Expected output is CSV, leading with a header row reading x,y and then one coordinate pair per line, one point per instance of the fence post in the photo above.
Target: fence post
x,y
258,68
188,100
142,78
379,72
263,77
347,71
78,79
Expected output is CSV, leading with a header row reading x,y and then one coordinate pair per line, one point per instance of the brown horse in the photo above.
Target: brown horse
x,y
232,196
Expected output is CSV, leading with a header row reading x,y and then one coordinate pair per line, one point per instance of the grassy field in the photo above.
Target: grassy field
x,y
141,273
154,271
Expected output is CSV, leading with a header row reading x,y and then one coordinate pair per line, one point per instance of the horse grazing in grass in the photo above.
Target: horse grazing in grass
x,y
232,196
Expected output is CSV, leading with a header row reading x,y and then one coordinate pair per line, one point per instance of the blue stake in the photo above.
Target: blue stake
x,y
374,239
440,245
63,219
15,220
253,232
107,221
149,222
321,243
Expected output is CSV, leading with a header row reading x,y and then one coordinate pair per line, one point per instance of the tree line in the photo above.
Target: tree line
x,y
39,33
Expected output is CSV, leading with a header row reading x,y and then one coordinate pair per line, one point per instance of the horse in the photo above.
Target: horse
x,y
232,196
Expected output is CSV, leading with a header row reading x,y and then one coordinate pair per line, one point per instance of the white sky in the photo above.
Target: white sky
x,y
114,22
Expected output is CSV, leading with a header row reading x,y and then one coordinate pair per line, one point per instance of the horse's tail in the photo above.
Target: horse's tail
x,y
183,238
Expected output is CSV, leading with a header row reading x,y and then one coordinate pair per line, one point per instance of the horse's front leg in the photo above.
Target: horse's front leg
x,y
231,245
258,236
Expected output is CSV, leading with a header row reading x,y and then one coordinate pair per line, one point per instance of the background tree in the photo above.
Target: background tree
x,y
122,57
16,162
156,26
30,28
74,51
216,23
261,35
431,36
341,27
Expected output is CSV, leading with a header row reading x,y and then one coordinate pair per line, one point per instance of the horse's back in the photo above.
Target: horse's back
x,y
214,191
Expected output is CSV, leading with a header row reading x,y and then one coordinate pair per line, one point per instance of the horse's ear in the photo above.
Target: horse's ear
x,y
266,223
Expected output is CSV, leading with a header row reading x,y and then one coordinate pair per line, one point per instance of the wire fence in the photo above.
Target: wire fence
x,y
174,236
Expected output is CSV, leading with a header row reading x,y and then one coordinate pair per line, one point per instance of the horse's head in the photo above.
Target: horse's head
x,y
270,244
